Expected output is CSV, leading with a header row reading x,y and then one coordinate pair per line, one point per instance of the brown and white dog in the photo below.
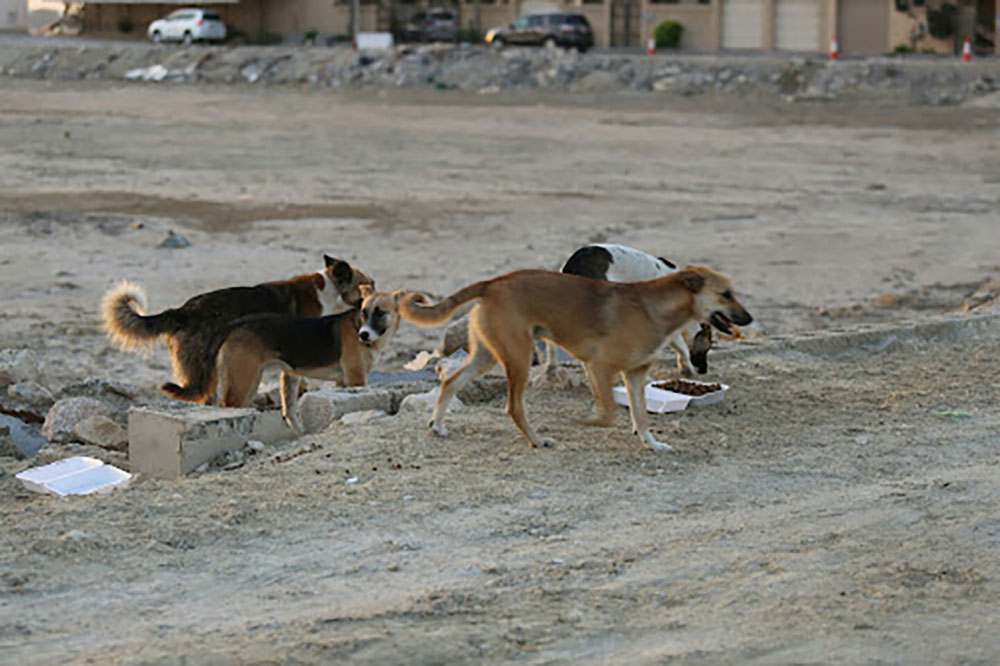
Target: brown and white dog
x,y
195,330
612,327
340,348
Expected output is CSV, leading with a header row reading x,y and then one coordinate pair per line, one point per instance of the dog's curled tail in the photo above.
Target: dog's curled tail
x,y
123,311
417,308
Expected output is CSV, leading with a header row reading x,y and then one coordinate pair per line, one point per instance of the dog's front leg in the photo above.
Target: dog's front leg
x,y
635,381
290,401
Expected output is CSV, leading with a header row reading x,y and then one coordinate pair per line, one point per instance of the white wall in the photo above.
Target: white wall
x,y
14,15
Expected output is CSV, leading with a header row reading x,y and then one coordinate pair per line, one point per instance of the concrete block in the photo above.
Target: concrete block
x,y
318,409
168,443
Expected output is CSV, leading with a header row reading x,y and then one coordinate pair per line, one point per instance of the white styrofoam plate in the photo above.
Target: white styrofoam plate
x,y
659,401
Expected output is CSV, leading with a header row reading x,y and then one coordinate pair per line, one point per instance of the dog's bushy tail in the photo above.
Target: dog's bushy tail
x,y
123,311
417,308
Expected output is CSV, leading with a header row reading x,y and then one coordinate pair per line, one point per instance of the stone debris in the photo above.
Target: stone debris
x,y
424,402
17,366
18,439
60,424
174,241
364,416
487,71
103,432
318,409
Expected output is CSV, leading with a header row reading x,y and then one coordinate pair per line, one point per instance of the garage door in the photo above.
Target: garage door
x,y
796,25
863,26
742,24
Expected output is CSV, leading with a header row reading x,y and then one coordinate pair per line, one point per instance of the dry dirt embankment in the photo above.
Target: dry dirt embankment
x,y
487,71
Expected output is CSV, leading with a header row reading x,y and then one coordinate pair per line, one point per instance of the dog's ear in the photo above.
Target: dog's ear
x,y
692,281
329,261
365,290
397,296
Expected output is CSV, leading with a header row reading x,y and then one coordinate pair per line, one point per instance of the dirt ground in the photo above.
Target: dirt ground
x,y
840,506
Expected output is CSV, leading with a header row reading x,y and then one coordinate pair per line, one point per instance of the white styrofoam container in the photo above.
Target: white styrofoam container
x,y
374,41
79,475
659,401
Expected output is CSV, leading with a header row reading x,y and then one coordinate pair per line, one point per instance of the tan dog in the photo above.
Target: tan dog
x,y
613,327
195,330
341,348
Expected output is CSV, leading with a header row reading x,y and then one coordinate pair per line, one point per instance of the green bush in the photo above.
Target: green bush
x,y
668,34
469,35
125,25
902,49
311,35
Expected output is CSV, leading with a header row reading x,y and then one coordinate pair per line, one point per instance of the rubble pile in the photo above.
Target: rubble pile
x,y
484,70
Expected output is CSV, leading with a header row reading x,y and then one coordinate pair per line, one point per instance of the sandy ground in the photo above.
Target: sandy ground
x,y
836,508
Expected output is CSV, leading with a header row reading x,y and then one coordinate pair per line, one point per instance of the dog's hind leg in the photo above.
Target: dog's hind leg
x,y
514,352
601,380
241,369
635,381
479,363
290,385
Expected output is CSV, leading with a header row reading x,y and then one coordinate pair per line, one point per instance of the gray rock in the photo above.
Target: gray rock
x,y
456,337
118,396
32,394
174,241
103,432
18,365
60,424
18,439
424,402
364,416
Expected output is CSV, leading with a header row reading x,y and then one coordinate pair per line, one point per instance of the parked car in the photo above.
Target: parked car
x,y
434,25
547,29
188,25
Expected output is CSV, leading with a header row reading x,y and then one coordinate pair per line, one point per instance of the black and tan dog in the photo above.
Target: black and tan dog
x,y
612,327
341,348
196,329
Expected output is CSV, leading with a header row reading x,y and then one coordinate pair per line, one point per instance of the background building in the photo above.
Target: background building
x,y
862,27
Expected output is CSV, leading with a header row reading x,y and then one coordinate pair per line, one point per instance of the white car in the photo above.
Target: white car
x,y
188,25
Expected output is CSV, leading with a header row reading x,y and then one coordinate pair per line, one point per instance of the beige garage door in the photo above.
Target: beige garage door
x,y
742,24
863,26
796,25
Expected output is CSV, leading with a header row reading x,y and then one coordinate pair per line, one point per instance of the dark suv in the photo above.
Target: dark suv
x,y
548,29
433,25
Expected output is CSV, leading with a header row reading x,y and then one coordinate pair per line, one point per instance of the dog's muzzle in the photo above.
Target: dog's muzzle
x,y
367,336
724,322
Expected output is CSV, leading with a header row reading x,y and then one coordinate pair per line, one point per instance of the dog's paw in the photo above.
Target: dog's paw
x,y
597,421
655,444
438,429
544,443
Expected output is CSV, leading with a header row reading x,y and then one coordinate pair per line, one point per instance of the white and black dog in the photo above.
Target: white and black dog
x,y
618,263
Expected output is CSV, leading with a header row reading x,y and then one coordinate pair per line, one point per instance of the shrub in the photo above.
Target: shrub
x,y
668,34
125,25
902,49
469,35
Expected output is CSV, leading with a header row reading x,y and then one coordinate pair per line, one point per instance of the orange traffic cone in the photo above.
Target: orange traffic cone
x,y
967,50
651,46
834,49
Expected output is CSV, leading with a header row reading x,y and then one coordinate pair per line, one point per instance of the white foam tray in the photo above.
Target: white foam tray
x,y
78,475
659,401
